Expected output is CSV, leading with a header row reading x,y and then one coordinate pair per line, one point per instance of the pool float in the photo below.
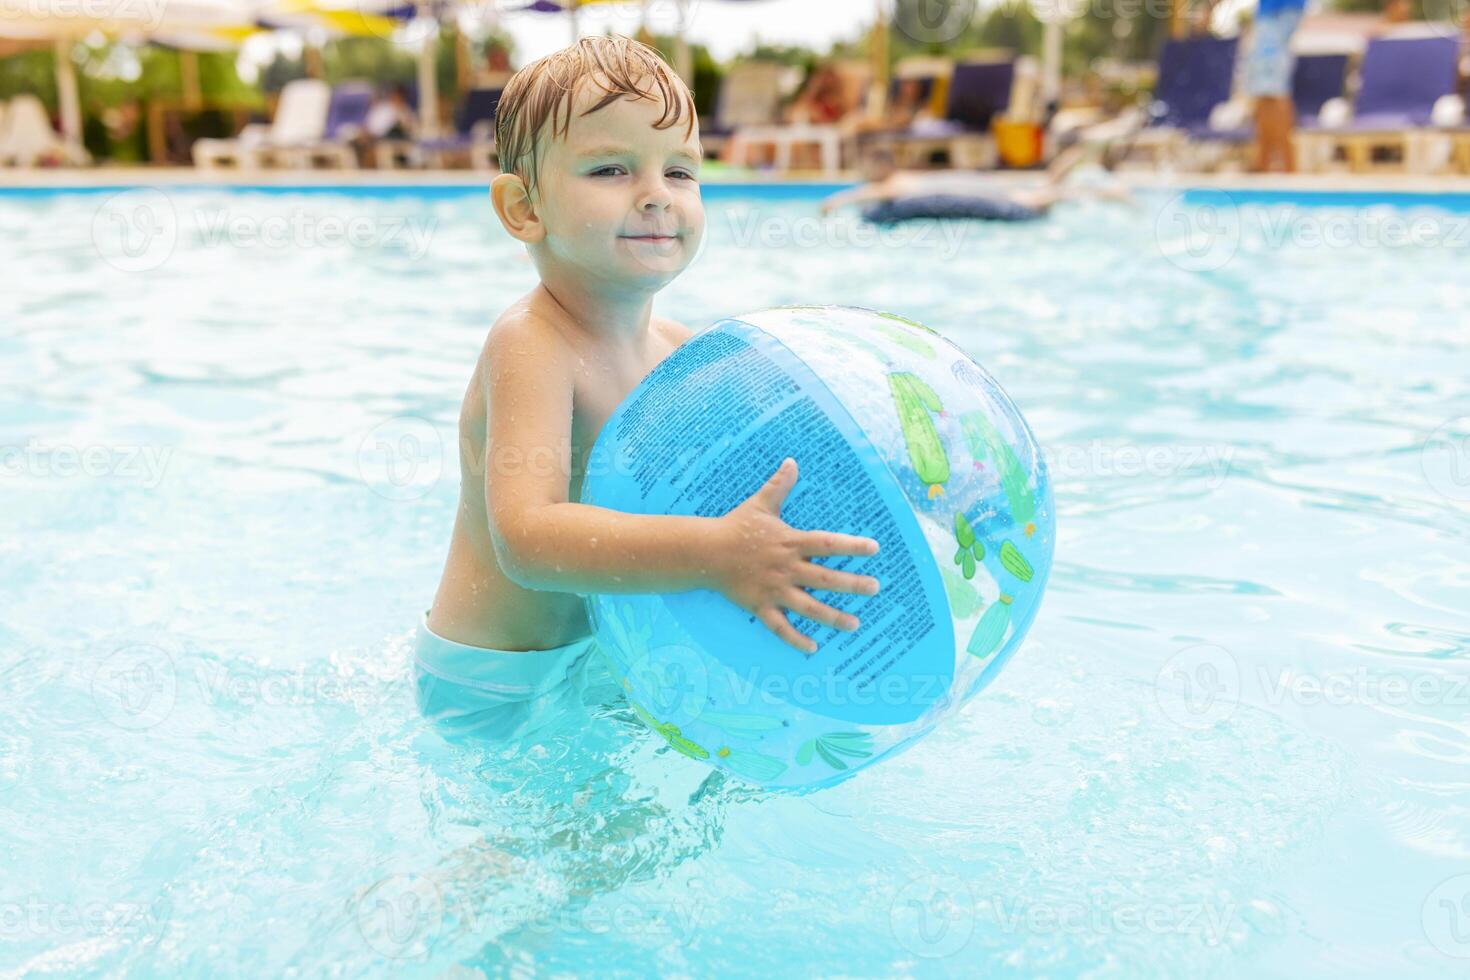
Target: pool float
x,y
899,436
948,207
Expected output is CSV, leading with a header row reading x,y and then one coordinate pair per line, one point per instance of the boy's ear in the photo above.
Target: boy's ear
x,y
512,202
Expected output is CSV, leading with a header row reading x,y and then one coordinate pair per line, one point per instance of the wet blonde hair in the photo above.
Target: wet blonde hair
x,y
540,95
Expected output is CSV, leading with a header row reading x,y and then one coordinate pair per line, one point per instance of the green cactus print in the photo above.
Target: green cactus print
x,y
1014,562
670,733
964,601
971,551
991,629
981,436
834,746
914,401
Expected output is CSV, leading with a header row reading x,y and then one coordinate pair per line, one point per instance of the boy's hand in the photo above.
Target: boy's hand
x,y
761,564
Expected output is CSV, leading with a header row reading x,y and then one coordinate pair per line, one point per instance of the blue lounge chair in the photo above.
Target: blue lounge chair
x,y
474,131
1194,77
1401,79
979,91
1316,80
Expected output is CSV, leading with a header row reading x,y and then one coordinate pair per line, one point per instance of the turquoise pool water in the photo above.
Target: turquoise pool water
x,y
1237,742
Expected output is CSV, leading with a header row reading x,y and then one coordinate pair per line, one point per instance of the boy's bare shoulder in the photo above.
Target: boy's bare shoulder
x,y
675,331
523,335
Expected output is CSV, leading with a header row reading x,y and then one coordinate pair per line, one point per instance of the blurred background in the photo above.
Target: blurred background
x,y
785,85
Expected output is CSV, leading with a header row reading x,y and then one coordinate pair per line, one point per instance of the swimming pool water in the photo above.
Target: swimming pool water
x,y
1237,741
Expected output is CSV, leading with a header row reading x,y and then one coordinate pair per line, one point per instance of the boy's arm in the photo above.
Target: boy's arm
x,y
542,540
547,543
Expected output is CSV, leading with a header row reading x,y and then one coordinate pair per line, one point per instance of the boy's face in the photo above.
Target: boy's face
x,y
619,199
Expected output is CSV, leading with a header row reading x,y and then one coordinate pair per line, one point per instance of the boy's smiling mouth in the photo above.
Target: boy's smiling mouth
x,y
652,238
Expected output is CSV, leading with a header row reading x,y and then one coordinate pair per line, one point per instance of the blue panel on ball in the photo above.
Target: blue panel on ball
x,y
772,406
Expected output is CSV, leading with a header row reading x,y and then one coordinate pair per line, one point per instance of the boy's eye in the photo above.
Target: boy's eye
x,y
682,174
609,170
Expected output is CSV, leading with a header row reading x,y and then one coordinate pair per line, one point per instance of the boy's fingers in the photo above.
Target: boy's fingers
x,y
832,543
773,494
801,602
777,623
815,576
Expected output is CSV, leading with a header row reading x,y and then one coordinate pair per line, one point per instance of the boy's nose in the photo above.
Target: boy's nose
x,y
655,198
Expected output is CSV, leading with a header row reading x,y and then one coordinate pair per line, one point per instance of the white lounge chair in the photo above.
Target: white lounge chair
x,y
300,121
750,95
783,138
346,116
27,139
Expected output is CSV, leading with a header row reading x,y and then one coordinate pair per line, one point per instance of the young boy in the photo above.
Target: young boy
x,y
600,151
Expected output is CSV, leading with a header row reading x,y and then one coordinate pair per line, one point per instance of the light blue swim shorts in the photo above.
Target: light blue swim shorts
x,y
1269,63
477,692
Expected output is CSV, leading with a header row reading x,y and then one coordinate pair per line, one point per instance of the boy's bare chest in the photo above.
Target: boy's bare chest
x,y
599,393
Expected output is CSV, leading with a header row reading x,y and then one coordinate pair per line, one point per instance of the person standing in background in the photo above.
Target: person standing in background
x,y
1268,67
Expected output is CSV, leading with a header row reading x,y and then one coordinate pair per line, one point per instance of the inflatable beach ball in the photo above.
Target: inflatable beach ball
x,y
898,436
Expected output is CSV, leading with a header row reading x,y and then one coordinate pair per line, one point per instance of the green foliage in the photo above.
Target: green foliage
x,y
29,71
114,73
375,59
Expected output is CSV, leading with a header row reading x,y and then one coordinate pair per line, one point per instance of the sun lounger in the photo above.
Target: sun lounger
x,y
300,120
1401,80
1194,78
346,114
474,132
750,95
1316,80
27,139
784,138
979,91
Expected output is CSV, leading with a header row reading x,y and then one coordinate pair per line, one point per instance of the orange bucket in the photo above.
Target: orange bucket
x,y
1019,143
